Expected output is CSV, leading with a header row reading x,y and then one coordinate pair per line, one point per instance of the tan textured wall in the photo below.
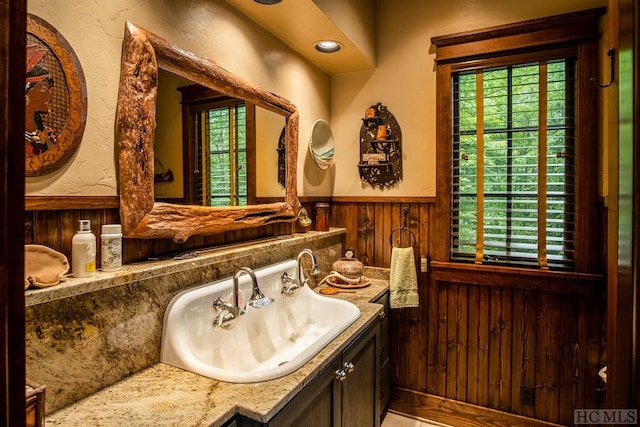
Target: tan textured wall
x,y
209,28
269,125
167,149
404,80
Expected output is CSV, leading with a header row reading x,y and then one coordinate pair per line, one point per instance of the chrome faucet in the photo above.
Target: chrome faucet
x,y
258,299
292,285
228,312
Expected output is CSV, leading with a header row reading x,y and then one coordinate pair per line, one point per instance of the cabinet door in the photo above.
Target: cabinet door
x,y
317,405
361,387
333,400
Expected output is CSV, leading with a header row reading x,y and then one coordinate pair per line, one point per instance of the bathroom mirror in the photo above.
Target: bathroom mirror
x,y
143,53
215,149
321,144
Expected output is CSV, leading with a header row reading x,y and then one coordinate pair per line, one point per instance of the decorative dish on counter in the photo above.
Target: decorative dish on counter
x,y
336,281
43,266
347,273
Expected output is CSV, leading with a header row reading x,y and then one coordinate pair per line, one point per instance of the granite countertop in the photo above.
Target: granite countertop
x,y
190,260
163,395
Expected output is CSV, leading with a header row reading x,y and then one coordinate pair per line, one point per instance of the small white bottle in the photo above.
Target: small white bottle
x,y
111,241
83,250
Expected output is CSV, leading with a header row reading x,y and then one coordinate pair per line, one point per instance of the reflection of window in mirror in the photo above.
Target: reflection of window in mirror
x,y
218,131
222,146
197,129
262,129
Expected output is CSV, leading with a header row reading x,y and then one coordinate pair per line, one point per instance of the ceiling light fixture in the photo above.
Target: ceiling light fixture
x,y
328,46
268,2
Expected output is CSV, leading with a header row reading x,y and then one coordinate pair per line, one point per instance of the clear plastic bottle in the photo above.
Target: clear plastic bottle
x,y
111,247
83,250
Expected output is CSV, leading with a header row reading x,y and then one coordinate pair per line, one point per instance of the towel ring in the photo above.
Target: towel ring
x,y
415,240
402,228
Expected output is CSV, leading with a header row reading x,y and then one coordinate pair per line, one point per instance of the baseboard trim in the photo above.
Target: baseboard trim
x,y
428,407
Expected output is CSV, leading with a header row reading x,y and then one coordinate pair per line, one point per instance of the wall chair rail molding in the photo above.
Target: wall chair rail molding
x,y
57,203
143,53
380,148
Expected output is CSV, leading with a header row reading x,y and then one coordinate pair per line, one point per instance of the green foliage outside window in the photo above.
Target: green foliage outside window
x,y
511,129
227,156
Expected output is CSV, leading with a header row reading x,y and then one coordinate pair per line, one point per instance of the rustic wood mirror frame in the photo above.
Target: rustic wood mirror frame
x,y
142,54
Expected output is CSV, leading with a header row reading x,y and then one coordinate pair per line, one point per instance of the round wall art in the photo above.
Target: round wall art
x,y
55,99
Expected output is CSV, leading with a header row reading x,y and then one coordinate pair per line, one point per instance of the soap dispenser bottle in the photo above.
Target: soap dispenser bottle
x,y
83,250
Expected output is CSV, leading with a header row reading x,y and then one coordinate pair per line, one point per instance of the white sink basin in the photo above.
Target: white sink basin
x,y
266,343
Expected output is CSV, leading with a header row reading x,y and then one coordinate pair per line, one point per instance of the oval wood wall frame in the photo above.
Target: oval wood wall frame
x,y
58,131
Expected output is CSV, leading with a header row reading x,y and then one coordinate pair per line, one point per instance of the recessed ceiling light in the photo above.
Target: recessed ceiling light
x,y
268,2
328,46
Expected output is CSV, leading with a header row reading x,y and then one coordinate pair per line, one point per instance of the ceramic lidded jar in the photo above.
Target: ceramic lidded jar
x,y
349,266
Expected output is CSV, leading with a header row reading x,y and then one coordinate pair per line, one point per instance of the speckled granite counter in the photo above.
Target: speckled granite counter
x,y
166,396
255,253
87,334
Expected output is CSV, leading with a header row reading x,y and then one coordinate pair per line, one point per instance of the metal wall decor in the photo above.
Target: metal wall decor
x,y
380,148
56,99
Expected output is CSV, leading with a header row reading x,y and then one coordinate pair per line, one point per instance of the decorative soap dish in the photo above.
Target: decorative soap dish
x,y
336,282
43,266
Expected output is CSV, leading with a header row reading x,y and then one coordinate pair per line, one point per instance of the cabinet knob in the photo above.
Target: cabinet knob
x,y
348,366
341,375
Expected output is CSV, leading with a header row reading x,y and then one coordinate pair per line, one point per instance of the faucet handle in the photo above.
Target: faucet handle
x,y
285,278
226,314
220,305
218,323
290,285
225,321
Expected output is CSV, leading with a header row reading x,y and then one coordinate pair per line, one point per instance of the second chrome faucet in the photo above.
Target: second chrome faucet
x,y
292,285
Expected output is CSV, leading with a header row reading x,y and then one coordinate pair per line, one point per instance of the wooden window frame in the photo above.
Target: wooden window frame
x,y
196,97
576,32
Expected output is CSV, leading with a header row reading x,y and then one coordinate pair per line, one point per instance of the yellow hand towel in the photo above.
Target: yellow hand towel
x,y
403,281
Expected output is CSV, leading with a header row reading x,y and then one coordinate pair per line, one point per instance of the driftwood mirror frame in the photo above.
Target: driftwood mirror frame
x,y
142,54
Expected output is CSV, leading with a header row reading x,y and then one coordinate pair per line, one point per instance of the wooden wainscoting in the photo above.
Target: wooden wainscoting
x,y
52,221
474,341
480,342
370,221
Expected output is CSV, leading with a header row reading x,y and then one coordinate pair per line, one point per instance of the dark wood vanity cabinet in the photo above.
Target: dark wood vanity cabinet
x,y
361,387
385,345
345,394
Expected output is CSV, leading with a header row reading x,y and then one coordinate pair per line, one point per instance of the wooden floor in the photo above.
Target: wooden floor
x,y
395,420
429,408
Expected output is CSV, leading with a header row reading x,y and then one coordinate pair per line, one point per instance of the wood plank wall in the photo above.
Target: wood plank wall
x,y
480,343
53,222
473,343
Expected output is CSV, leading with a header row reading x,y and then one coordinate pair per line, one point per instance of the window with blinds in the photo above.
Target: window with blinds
x,y
513,183
223,154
